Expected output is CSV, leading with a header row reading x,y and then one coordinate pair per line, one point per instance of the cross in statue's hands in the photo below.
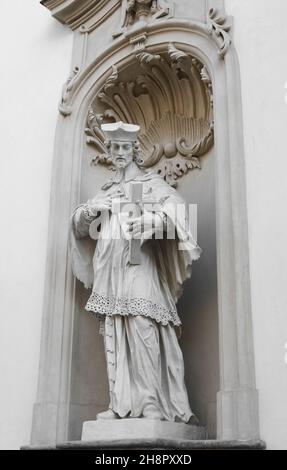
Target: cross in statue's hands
x,y
142,220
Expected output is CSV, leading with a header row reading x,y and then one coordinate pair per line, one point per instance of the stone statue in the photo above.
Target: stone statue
x,y
136,278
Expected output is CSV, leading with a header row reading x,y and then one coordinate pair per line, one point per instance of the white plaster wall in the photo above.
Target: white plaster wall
x,y
260,36
35,61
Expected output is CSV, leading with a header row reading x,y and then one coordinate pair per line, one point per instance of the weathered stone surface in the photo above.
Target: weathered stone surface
x,y
139,430
157,444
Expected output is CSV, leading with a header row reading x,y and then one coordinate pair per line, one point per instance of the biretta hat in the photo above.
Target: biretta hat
x,y
120,131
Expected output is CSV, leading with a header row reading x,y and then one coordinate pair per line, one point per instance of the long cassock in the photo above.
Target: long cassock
x,y
137,304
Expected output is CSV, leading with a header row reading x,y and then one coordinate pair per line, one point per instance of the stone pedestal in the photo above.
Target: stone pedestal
x,y
154,444
144,434
139,430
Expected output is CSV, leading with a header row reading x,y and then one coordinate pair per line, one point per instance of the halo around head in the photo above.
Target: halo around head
x,y
120,131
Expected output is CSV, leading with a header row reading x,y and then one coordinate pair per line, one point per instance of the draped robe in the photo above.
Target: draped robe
x,y
137,304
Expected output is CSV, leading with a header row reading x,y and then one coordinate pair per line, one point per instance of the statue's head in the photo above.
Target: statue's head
x,y
122,144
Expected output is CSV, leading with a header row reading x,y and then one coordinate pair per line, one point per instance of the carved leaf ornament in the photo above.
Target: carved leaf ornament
x,y
219,26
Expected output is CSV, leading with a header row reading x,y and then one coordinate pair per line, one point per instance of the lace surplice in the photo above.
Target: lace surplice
x,y
118,287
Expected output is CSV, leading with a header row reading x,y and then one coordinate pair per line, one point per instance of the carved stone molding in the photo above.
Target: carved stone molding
x,y
176,56
170,98
134,11
237,400
139,42
219,27
64,106
87,15
146,58
74,13
112,79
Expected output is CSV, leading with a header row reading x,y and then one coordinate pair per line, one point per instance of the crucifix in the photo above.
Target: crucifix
x,y
133,206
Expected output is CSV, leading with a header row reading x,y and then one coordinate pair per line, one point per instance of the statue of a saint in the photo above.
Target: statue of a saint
x,y
136,301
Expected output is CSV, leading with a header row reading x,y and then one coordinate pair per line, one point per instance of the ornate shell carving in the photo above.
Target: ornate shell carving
x,y
170,96
173,156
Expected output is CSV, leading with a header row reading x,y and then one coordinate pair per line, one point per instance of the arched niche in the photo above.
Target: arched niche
x,y
67,334
169,94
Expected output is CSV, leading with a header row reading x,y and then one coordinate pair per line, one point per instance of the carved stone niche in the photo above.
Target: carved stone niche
x,y
170,96
153,73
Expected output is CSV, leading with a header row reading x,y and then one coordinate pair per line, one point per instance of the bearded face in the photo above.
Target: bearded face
x,y
121,153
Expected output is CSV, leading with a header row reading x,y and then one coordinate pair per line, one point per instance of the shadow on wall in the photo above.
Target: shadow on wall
x,y
198,307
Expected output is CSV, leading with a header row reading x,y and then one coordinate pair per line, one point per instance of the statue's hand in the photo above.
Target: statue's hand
x,y
146,225
99,205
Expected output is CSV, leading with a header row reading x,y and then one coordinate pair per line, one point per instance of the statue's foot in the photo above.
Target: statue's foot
x,y
194,420
151,412
108,414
